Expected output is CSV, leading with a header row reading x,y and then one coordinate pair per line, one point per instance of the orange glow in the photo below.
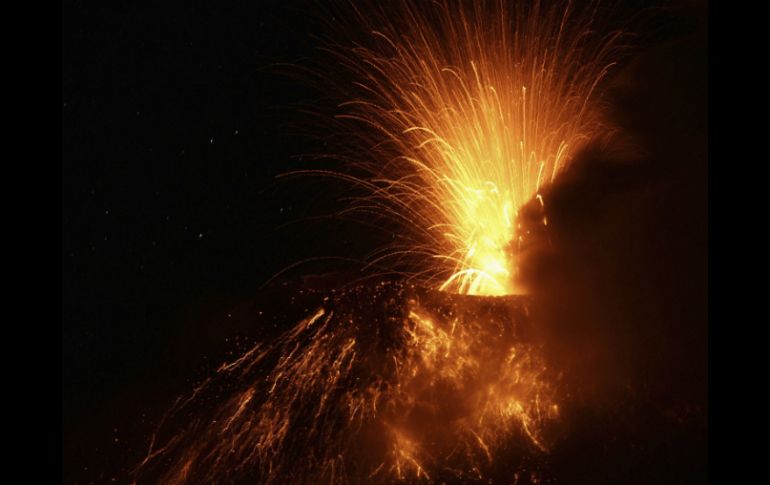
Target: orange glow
x,y
433,395
463,111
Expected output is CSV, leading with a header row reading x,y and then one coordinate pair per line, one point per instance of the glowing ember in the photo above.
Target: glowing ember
x,y
462,111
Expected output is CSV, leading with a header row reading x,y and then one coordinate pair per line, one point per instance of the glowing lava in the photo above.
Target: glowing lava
x,y
380,382
462,111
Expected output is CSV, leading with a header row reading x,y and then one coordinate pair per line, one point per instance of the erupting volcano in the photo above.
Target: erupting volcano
x,y
452,117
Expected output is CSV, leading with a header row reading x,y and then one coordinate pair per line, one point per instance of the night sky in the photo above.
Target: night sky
x,y
174,127
175,124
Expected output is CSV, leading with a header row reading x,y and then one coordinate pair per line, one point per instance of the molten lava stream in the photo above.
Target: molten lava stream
x,y
380,383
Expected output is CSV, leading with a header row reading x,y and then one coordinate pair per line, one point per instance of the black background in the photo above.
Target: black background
x,y
175,125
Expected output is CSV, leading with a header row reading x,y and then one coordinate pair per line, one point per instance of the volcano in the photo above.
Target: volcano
x,y
379,382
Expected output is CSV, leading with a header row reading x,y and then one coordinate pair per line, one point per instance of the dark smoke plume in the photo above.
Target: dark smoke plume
x,y
619,275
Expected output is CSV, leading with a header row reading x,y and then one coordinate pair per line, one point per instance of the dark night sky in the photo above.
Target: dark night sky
x,y
174,128
173,131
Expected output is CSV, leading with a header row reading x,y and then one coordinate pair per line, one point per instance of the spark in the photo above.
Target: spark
x,y
462,112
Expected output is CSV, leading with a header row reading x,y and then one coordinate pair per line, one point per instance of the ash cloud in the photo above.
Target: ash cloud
x,y
619,273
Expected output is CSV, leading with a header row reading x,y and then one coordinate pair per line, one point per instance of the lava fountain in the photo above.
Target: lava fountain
x,y
455,115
